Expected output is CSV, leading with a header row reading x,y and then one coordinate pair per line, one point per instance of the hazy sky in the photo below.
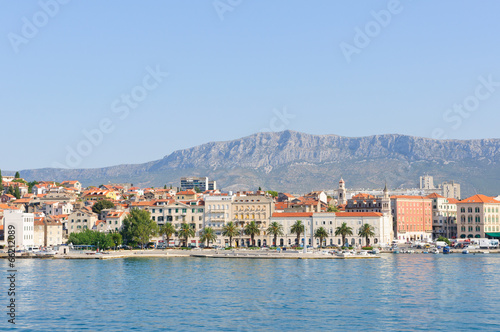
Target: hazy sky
x,y
237,67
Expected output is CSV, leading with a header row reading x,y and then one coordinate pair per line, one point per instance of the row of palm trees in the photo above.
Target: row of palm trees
x,y
275,229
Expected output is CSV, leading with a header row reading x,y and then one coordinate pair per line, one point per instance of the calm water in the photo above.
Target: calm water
x,y
397,292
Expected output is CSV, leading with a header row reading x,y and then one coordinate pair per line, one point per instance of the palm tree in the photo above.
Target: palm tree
x,y
343,231
275,229
186,232
208,235
252,229
331,208
230,230
322,234
297,228
366,231
167,230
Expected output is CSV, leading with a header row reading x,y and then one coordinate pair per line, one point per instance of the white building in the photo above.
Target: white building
x,y
24,227
381,226
218,212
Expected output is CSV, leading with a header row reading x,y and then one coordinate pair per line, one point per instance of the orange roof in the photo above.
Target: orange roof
x,y
69,182
408,197
7,207
146,203
39,221
434,195
358,214
479,199
363,196
187,192
281,205
1,227
22,201
292,214
453,200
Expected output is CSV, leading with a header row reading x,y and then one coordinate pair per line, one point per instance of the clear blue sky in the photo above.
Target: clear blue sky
x,y
227,77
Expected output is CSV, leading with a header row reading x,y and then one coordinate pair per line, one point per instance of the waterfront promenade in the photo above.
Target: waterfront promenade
x,y
235,254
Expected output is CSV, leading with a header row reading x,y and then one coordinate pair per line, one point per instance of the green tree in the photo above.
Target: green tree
x,y
186,232
208,235
17,194
275,229
31,185
17,176
322,234
101,205
442,238
197,189
139,227
116,238
230,230
252,229
167,230
272,193
1,182
10,191
260,188
343,231
332,209
298,228
366,231
165,187
93,238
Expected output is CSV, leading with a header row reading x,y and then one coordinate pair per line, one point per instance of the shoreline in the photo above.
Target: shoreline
x,y
223,254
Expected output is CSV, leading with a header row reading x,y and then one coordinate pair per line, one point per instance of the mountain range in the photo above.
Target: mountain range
x,y
296,162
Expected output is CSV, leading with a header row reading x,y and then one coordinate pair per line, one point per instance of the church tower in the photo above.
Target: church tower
x,y
386,202
342,192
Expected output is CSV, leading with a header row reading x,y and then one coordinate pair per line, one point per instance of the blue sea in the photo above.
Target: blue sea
x,y
395,293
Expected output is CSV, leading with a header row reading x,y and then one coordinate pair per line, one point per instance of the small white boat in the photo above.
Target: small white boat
x,y
465,251
345,253
375,251
435,251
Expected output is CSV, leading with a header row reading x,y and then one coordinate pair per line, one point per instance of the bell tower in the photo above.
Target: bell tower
x,y
386,201
342,192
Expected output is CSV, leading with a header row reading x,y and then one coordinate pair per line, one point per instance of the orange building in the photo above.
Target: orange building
x,y
412,218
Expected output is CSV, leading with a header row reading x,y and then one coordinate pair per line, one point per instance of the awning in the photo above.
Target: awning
x,y
497,234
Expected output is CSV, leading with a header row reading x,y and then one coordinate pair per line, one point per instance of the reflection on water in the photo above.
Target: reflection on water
x,y
396,292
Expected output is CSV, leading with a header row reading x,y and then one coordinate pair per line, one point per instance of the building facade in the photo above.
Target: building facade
x,y
444,216
477,216
381,225
252,207
412,218
218,212
24,226
202,183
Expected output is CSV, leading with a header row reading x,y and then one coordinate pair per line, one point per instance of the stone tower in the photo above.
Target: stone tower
x,y
342,192
386,202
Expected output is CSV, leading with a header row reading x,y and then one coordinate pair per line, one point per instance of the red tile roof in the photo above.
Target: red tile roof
x,y
479,199
363,196
291,214
358,214
434,195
